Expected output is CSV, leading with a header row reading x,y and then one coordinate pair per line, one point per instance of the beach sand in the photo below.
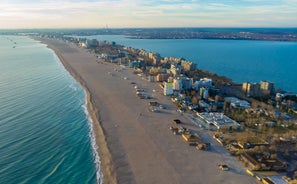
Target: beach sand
x,y
134,144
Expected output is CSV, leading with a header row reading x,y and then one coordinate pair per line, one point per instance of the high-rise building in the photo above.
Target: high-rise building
x,y
175,69
204,82
162,77
267,88
177,84
251,89
188,66
187,83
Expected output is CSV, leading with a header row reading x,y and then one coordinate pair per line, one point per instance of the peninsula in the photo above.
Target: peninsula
x,y
143,135
135,145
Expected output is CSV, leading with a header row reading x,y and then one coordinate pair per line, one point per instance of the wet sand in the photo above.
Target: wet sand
x,y
134,144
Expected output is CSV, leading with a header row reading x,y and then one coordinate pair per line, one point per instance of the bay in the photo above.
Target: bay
x,y
240,60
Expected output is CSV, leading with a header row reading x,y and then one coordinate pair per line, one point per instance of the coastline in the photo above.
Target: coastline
x,y
102,148
134,144
105,157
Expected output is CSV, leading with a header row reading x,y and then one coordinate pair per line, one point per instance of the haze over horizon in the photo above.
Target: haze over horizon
x,y
19,14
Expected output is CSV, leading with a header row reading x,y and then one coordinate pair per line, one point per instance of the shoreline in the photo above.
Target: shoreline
x,y
102,148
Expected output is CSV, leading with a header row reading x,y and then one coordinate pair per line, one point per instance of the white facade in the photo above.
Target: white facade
x,y
235,102
177,84
205,82
219,120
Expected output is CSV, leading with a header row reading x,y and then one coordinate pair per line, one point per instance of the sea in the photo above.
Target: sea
x,y
239,60
46,134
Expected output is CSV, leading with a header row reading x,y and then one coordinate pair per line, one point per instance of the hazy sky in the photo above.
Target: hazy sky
x,y
147,13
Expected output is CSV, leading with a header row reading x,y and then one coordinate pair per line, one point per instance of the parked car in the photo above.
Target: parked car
x,y
176,121
223,167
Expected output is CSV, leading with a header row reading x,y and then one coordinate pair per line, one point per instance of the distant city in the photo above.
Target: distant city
x,y
269,34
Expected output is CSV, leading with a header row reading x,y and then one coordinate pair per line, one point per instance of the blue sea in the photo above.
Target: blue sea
x,y
46,135
239,60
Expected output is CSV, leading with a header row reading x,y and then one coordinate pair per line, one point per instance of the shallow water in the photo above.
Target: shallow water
x,y
45,131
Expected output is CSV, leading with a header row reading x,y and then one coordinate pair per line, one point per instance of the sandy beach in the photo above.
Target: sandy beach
x,y
134,144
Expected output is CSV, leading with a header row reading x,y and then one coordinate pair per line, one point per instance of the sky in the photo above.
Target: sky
x,y
30,14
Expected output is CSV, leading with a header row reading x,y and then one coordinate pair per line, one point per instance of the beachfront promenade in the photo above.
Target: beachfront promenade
x,y
137,146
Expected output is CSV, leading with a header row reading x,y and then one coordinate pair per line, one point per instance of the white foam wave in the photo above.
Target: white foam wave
x,y
73,87
99,174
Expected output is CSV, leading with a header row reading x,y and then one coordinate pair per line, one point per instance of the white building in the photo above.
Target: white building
x,y
91,43
219,120
237,103
204,82
177,84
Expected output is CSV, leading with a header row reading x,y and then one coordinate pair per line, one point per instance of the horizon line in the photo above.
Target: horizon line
x,y
177,27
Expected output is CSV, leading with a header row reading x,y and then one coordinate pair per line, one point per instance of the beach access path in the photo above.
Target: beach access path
x,y
135,145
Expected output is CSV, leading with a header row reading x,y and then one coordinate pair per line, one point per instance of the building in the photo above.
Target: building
x,y
262,162
152,78
155,57
174,60
203,104
151,55
91,43
251,89
168,88
204,92
170,79
258,89
267,88
142,52
134,64
164,60
237,103
162,77
204,82
188,66
219,120
153,70
177,84
187,83
175,69
275,180
156,60
83,45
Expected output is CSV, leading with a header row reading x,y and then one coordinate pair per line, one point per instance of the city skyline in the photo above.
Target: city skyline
x,y
151,13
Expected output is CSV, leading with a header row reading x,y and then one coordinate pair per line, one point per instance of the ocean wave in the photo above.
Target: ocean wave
x,y
73,87
99,174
